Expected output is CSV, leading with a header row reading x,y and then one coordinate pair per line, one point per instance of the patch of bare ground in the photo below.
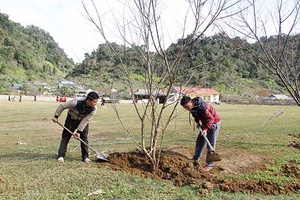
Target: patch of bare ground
x,y
295,144
176,166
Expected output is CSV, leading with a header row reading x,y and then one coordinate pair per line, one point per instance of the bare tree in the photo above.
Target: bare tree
x,y
274,29
142,22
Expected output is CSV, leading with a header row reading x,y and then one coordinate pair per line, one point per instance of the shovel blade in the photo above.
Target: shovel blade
x,y
213,157
102,156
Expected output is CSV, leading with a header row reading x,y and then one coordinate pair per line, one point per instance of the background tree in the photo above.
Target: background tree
x,y
68,91
273,29
140,25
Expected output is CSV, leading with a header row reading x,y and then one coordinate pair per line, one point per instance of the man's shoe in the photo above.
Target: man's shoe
x,y
195,163
60,160
87,160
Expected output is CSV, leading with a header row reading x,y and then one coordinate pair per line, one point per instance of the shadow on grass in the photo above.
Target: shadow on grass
x,y
28,156
31,156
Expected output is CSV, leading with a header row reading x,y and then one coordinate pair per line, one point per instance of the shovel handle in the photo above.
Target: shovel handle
x,y
207,141
65,128
78,137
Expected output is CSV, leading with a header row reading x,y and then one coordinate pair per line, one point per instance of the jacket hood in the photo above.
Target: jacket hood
x,y
198,102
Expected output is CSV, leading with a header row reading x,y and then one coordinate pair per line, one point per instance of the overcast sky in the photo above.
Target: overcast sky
x,y
63,19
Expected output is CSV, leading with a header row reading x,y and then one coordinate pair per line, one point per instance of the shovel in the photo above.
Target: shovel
x,y
100,155
213,156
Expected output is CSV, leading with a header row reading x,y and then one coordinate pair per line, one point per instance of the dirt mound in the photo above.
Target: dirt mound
x,y
258,186
295,135
295,144
176,166
292,169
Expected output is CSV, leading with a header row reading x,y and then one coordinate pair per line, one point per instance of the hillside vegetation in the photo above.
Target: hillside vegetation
x,y
31,54
211,62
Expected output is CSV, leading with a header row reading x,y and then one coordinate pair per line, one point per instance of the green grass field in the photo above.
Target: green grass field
x,y
30,170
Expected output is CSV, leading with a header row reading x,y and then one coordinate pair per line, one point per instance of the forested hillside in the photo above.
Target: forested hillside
x,y
29,54
211,62
215,62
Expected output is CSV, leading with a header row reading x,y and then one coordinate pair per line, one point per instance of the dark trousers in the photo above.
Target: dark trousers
x,y
66,136
212,135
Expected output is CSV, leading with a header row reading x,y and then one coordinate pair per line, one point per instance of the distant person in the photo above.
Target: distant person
x,y
80,112
103,101
8,97
210,125
20,98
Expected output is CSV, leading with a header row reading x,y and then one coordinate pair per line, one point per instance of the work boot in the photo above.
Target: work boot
x,y
87,160
61,160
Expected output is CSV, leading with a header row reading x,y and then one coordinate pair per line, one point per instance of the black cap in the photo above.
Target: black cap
x,y
92,95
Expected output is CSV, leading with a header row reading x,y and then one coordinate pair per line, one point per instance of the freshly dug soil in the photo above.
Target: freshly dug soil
x,y
176,166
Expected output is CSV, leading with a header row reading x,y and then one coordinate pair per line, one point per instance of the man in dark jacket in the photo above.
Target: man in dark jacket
x,y
210,125
80,112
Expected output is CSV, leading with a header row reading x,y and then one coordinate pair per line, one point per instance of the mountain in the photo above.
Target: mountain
x,y
211,62
29,54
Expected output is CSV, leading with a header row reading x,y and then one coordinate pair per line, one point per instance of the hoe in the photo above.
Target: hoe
x,y
213,156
